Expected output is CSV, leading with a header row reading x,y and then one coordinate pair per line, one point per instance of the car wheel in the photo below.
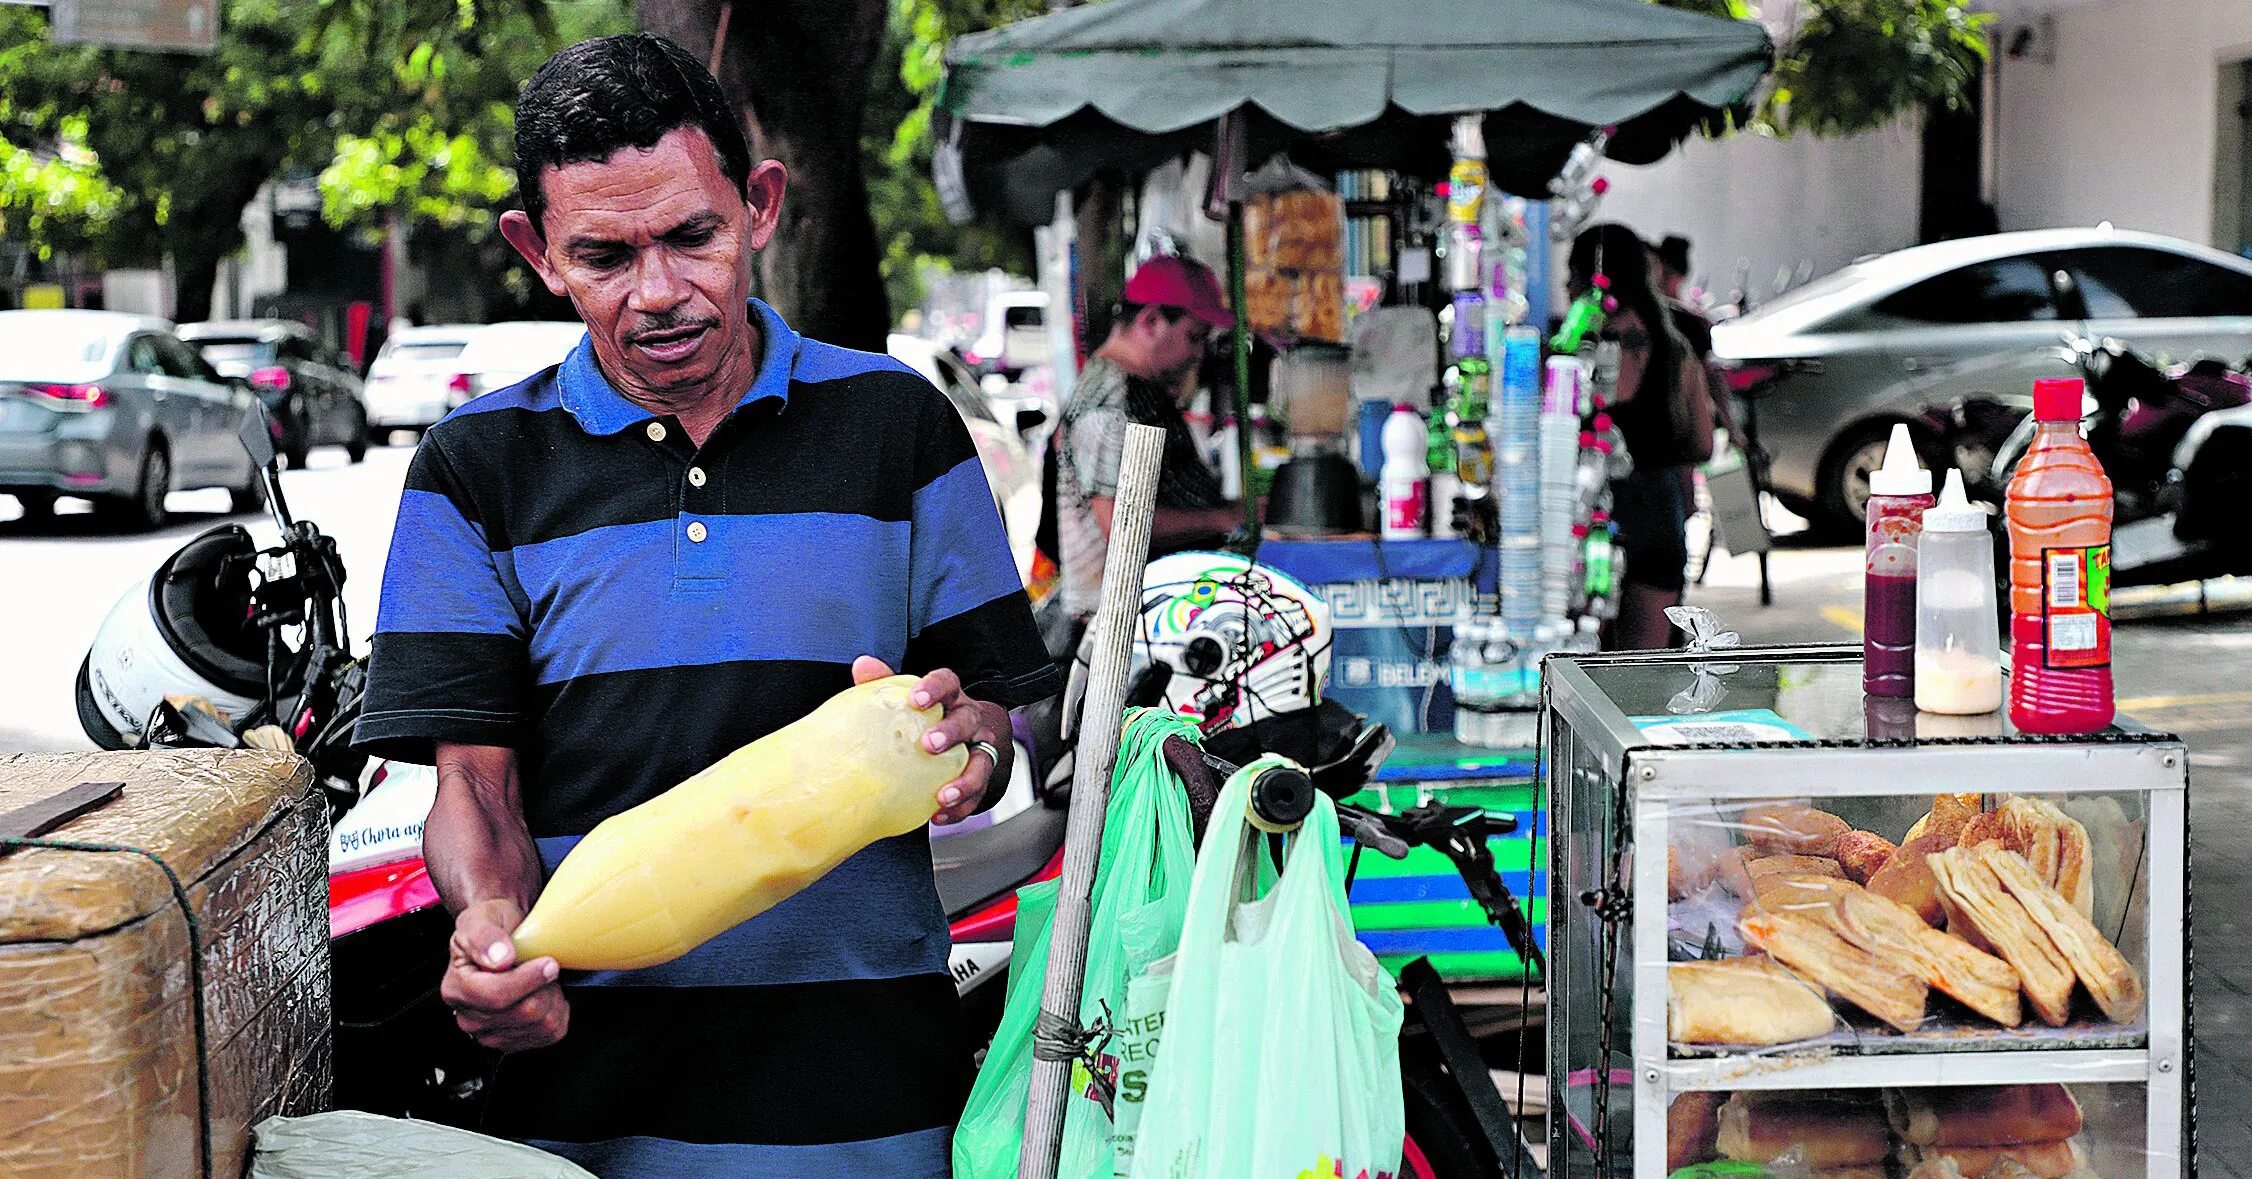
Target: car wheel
x,y
37,505
356,447
144,509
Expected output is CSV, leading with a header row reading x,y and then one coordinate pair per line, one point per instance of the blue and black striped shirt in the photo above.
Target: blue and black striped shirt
x,y
574,579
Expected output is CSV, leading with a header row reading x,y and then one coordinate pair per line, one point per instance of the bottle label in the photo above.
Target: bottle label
x,y
1403,505
2076,606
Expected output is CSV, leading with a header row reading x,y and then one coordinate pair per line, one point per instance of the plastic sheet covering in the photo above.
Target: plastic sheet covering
x,y
98,1051
370,1146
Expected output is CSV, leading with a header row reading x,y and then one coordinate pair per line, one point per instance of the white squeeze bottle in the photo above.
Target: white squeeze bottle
x,y
1405,480
1958,637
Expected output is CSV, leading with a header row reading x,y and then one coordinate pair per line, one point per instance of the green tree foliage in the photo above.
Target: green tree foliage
x,y
403,106
1856,65
910,226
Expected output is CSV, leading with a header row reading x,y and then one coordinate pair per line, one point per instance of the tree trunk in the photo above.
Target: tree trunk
x,y
798,71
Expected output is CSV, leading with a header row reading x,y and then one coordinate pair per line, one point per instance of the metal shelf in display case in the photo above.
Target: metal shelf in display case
x,y
1657,760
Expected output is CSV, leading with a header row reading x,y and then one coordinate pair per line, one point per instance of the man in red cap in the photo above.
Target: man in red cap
x,y
1168,312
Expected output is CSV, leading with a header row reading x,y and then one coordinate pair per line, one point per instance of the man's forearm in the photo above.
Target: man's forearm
x,y
476,843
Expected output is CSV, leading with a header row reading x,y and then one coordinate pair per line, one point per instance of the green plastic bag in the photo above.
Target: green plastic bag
x,y
1281,1057
1140,897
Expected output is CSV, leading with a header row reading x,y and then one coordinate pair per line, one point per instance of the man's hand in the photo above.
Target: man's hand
x,y
502,1003
964,720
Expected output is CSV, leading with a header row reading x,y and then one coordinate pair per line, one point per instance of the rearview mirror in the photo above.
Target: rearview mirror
x,y
258,435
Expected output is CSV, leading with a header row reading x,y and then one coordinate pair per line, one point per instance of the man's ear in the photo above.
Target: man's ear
x,y
762,193
516,225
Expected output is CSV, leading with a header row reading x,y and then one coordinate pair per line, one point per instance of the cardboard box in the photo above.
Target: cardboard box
x,y
98,1047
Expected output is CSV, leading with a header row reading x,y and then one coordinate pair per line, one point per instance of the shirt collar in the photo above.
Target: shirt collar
x,y
600,409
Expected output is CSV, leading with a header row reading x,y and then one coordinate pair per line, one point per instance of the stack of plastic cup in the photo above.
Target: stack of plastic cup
x,y
1559,488
1515,431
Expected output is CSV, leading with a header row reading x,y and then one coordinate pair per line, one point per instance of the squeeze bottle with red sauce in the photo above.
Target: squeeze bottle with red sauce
x,y
2059,517
1899,493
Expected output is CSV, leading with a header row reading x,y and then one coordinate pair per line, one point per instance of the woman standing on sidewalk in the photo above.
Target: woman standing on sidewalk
x,y
1665,415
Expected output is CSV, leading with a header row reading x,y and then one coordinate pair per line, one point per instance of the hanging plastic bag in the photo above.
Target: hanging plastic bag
x,y
1281,1056
370,1146
1140,897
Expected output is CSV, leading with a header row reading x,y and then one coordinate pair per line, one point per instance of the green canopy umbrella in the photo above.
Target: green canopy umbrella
x,y
1039,105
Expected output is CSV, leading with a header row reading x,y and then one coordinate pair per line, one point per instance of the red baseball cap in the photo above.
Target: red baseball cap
x,y
1170,280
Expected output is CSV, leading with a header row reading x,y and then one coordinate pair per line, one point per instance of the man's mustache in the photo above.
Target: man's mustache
x,y
666,324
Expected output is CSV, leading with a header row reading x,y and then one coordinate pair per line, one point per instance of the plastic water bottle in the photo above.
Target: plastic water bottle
x,y
1407,474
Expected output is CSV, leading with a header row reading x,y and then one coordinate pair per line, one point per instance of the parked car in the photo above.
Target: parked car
x,y
1010,468
1950,337
411,383
116,409
1013,336
500,354
307,387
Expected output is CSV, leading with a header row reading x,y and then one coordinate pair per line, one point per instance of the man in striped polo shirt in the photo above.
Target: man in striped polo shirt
x,y
689,534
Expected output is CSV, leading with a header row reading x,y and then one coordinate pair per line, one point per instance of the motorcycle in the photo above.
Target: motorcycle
x,y
2177,445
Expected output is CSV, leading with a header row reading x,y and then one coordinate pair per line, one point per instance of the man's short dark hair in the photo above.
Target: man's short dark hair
x,y
599,97
1123,312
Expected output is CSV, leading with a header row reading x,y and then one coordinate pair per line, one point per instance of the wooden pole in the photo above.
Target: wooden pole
x,y
1099,722
1242,337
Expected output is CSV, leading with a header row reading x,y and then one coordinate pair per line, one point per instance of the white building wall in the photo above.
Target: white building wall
x,y
2113,114
1798,205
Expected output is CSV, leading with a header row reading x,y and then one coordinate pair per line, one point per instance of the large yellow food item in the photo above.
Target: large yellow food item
x,y
655,882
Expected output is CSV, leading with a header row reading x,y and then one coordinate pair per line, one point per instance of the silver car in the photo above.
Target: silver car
x,y
116,409
1949,339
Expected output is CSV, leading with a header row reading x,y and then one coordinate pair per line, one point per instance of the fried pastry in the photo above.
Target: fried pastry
x,y
1742,1001
1976,979
2046,1160
1792,827
1863,854
2054,845
1808,945
1950,813
1907,877
2101,968
1977,899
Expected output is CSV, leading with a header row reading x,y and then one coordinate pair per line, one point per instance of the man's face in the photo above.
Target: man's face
x,y
1177,346
654,249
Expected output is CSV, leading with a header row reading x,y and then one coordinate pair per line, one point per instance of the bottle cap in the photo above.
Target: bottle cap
x,y
1955,513
1900,475
2057,399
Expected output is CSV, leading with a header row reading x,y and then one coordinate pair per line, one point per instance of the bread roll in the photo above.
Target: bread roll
x,y
1976,898
1906,877
2098,964
1792,865
1693,1129
2046,1160
1742,1001
1984,1115
1826,1134
1793,828
1863,854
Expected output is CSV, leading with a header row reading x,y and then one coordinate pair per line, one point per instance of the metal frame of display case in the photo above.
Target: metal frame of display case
x,y
2130,760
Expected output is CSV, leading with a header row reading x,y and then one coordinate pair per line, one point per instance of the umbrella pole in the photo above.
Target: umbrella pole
x,y
1242,338
1057,1038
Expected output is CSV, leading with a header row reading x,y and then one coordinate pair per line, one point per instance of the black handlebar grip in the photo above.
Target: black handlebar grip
x,y
1281,798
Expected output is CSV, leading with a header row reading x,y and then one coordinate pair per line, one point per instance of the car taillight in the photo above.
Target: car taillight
x,y
275,377
75,396
1753,376
459,384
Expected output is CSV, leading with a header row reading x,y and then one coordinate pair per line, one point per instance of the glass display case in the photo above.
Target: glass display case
x,y
1808,932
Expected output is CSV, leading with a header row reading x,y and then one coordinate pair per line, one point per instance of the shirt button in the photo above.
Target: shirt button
x,y
695,476
656,431
696,531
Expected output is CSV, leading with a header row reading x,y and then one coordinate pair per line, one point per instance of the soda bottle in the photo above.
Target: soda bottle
x,y
2059,518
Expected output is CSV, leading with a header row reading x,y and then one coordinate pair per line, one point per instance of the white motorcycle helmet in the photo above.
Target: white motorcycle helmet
x,y
1237,642
186,629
